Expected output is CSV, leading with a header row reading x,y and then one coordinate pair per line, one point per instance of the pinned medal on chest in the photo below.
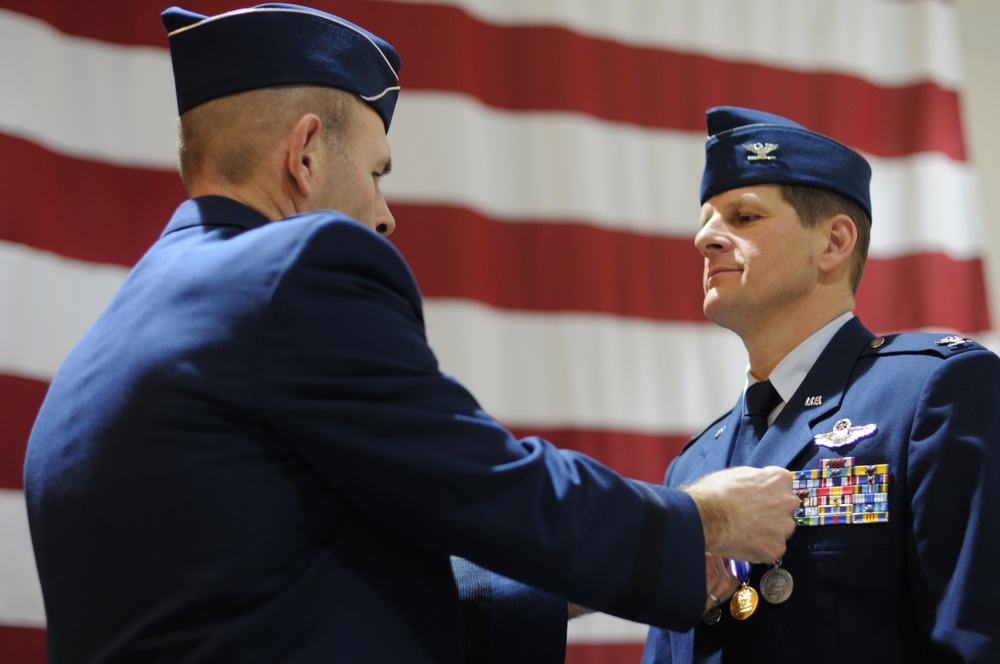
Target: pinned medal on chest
x,y
776,584
744,602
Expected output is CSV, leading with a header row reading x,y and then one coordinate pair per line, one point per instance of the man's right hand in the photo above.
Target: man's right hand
x,y
746,512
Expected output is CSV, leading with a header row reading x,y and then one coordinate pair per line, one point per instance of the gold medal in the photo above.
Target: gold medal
x,y
776,585
743,603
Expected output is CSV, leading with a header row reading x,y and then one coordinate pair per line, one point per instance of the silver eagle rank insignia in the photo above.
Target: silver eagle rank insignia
x,y
845,434
760,151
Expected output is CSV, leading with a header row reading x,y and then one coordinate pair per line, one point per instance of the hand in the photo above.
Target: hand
x,y
746,512
721,584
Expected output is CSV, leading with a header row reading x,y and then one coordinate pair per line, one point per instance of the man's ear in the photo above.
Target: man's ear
x,y
841,236
302,159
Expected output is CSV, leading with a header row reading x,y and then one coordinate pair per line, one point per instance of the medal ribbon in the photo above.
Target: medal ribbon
x,y
741,570
744,602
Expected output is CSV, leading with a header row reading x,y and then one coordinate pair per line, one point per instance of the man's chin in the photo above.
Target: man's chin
x,y
717,311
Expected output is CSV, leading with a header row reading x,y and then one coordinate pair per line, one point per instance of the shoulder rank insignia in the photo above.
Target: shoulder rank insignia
x,y
953,341
760,151
844,434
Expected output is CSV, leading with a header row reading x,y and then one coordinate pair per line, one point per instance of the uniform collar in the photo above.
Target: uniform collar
x,y
214,211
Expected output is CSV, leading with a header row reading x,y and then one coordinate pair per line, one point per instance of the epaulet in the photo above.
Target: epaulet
x,y
913,343
714,427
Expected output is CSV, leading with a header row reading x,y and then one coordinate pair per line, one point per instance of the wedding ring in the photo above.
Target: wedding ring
x,y
714,598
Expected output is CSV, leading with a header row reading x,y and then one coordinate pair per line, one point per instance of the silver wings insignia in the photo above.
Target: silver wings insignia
x,y
760,151
844,434
953,341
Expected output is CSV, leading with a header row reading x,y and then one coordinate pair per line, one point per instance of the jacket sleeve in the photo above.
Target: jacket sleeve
x,y
954,545
346,376
507,621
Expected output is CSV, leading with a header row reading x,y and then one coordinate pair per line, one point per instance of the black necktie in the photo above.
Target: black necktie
x,y
760,399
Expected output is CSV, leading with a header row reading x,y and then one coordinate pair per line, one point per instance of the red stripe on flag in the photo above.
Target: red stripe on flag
x,y
82,209
552,69
22,645
21,398
555,69
924,291
545,266
458,253
603,653
639,456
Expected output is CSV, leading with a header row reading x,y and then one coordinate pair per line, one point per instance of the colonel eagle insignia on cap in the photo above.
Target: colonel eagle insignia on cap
x,y
760,151
845,434
741,151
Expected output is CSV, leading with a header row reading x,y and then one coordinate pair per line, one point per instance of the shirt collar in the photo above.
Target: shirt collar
x,y
792,369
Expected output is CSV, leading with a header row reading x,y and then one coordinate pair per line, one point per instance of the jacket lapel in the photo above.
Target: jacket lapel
x,y
718,451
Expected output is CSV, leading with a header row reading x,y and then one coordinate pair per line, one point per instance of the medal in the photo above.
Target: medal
x,y
744,602
776,584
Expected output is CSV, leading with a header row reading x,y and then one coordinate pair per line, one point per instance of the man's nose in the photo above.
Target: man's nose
x,y
385,223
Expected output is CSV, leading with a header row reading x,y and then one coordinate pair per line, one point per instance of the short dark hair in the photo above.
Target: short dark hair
x,y
814,204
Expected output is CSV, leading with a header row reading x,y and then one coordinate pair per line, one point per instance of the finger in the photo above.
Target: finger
x,y
721,584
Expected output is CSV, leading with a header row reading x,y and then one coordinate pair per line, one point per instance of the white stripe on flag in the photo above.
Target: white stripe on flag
x,y
86,98
589,371
602,628
581,370
48,303
20,593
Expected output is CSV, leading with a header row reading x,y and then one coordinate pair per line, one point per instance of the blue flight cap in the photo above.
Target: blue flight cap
x,y
278,44
747,147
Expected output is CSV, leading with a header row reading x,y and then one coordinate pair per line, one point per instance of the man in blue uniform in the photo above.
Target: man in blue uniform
x,y
893,441
252,455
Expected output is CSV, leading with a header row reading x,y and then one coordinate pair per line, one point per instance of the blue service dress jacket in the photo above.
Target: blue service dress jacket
x,y
252,456
921,587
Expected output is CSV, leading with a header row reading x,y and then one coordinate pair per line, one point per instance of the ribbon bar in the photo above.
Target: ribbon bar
x,y
840,473
842,519
841,492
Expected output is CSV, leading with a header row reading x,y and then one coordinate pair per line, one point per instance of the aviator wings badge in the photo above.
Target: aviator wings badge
x,y
953,341
844,434
760,151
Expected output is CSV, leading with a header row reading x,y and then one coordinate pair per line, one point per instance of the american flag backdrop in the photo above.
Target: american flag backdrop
x,y
547,156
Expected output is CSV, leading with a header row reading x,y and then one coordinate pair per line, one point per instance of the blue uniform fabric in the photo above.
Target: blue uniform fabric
x,y
505,621
253,456
920,588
